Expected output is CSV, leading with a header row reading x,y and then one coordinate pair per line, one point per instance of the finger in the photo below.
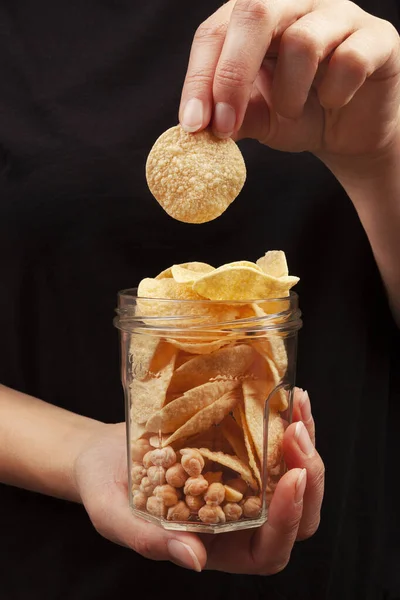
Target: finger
x,y
113,519
299,452
273,542
304,45
302,411
196,99
251,28
368,51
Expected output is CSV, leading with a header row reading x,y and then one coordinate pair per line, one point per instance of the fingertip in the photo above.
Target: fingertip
x,y
188,553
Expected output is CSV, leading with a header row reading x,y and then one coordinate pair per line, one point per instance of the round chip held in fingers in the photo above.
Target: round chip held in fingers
x,y
194,176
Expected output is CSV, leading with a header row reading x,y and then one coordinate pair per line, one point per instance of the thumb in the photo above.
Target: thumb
x,y
113,519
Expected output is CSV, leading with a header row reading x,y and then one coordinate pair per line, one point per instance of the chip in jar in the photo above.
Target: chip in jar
x,y
194,176
232,462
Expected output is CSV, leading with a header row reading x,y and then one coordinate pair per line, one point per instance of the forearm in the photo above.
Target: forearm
x,y
374,188
39,443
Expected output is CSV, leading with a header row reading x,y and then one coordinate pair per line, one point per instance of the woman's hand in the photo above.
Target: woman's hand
x,y
101,480
316,75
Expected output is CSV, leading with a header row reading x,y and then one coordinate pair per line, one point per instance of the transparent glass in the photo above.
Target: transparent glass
x,y
208,389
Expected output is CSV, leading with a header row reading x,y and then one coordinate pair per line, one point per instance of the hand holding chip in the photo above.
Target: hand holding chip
x,y
293,514
318,76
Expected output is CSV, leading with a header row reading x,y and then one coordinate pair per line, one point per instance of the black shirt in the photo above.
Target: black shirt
x,y
85,89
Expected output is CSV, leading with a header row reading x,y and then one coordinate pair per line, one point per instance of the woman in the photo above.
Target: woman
x,y
85,92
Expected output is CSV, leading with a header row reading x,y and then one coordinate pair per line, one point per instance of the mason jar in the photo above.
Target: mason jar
x,y
208,393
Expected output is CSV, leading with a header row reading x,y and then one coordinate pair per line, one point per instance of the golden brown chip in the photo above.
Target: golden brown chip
x,y
198,267
274,263
186,275
208,416
201,347
234,434
232,462
176,413
141,352
148,395
194,176
251,452
276,430
226,363
242,283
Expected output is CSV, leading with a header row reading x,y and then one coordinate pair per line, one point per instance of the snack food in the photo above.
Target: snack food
x,y
194,176
206,447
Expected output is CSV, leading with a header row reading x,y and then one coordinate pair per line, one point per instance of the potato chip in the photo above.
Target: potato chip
x,y
251,452
242,283
148,395
276,430
176,413
226,363
212,439
231,462
274,263
194,176
198,267
200,347
234,435
141,351
185,275
208,416
263,378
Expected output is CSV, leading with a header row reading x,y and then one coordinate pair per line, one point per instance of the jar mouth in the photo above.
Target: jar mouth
x,y
162,316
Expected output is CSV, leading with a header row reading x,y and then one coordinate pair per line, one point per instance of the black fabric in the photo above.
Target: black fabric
x,y
85,89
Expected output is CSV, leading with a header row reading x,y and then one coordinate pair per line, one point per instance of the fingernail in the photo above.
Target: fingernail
x,y
192,118
305,407
300,486
303,439
183,555
224,120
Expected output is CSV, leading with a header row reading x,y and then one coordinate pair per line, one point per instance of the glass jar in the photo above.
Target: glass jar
x,y
208,388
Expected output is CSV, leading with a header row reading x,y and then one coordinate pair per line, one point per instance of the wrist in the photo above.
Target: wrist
x,y
370,172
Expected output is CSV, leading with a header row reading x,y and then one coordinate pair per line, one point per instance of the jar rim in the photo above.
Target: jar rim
x,y
183,323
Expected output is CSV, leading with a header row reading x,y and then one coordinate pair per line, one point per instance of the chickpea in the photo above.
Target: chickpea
x,y
147,460
215,494
212,514
252,507
135,488
192,461
167,493
138,472
139,449
238,484
195,486
179,512
139,501
176,475
147,486
156,475
163,457
194,503
232,511
156,507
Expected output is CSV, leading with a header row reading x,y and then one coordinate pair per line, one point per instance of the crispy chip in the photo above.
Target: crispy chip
x,y
242,283
149,394
176,413
251,453
200,347
194,176
263,378
226,363
186,275
274,263
276,430
141,352
198,267
234,435
208,416
232,462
